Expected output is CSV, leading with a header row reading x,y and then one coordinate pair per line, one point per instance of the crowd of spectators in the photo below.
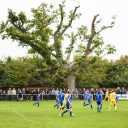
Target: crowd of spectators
x,y
47,94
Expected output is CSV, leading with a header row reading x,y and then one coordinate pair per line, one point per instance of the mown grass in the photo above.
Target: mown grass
x,y
25,115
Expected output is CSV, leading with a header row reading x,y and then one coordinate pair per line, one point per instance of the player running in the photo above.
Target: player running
x,y
88,98
57,101
37,100
68,105
85,96
61,99
112,100
99,101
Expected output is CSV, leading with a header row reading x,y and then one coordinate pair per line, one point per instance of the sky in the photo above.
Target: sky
x,y
117,36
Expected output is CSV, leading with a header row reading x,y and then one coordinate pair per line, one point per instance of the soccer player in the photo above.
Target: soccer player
x,y
57,101
37,100
64,101
98,101
68,105
61,99
112,100
85,96
88,97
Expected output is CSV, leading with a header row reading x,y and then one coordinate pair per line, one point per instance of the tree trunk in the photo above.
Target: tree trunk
x,y
71,81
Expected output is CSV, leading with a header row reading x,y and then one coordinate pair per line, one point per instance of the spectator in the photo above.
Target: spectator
x,y
34,95
123,91
20,96
13,94
118,91
3,95
43,94
27,95
81,94
53,92
46,94
9,93
0,94
38,91
76,92
57,91
24,93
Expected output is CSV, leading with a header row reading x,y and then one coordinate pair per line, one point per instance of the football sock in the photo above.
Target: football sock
x,y
70,113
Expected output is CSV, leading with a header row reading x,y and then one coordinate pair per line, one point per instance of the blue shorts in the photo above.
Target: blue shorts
x,y
98,102
61,103
68,106
89,101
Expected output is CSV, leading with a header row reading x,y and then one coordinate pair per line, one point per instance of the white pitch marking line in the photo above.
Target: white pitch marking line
x,y
21,115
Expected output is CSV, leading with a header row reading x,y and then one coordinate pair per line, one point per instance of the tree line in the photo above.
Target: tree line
x,y
35,71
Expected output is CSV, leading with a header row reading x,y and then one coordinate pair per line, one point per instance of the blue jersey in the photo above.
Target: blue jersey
x,y
99,97
38,97
69,99
68,102
86,95
61,97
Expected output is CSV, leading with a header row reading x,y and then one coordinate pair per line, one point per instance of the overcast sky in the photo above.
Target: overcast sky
x,y
117,36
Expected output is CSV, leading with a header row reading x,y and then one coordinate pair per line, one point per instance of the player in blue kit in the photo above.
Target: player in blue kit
x,y
85,96
37,100
68,105
88,98
99,101
61,99
57,101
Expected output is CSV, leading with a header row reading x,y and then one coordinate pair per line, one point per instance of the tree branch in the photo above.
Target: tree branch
x,y
88,47
70,49
61,21
56,36
70,21
93,30
93,33
105,27
61,77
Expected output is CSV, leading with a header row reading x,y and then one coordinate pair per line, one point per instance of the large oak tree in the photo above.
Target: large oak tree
x,y
50,30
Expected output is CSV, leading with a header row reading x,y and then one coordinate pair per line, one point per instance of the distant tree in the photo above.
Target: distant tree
x,y
117,73
49,29
23,72
41,73
94,74
13,73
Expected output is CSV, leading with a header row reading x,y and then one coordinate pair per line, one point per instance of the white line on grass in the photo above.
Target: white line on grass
x,y
21,115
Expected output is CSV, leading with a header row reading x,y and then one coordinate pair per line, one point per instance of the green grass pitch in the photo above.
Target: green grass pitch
x,y
25,115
